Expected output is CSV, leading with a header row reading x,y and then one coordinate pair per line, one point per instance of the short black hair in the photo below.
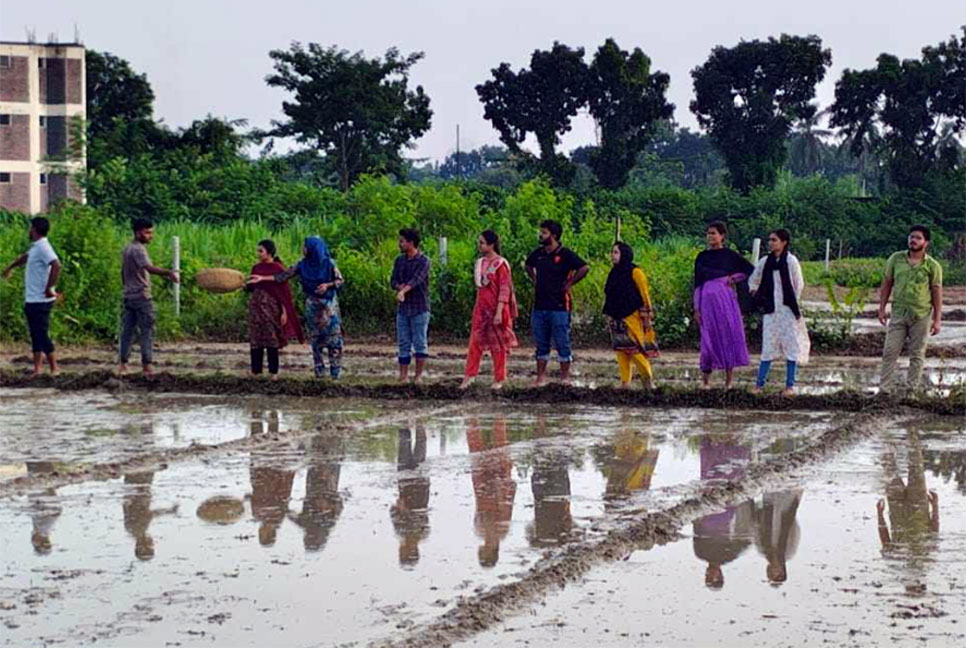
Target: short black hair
x,y
719,226
40,224
552,226
141,224
411,234
926,234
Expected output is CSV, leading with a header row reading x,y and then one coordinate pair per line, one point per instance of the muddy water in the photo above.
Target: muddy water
x,y
810,561
64,430
333,537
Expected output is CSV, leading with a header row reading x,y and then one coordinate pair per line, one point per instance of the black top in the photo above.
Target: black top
x,y
552,272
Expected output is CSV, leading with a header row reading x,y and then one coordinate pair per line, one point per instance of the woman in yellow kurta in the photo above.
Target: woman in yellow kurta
x,y
628,305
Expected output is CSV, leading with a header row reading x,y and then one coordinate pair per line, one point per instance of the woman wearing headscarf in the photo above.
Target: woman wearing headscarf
x,y
321,281
777,283
717,272
496,308
627,302
272,320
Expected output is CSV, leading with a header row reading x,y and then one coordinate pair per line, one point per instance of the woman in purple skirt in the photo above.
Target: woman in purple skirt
x,y
717,271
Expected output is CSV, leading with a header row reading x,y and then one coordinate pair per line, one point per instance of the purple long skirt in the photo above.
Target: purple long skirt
x,y
723,343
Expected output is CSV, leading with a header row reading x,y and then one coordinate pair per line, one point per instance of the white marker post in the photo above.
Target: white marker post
x,y
828,243
755,251
176,266
443,251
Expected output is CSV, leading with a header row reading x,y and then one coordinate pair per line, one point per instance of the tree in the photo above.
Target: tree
x,y
807,148
541,100
909,102
747,97
627,101
357,112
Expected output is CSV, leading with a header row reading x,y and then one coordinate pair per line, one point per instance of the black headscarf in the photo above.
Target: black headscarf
x,y
714,264
765,297
621,296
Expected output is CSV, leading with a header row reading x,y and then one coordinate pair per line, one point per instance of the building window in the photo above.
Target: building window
x,y
4,120
4,61
43,178
4,178
43,121
42,63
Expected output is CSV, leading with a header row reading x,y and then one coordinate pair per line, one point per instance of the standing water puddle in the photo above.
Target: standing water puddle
x,y
346,537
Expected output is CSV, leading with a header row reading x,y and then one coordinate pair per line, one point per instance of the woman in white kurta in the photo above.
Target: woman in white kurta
x,y
777,284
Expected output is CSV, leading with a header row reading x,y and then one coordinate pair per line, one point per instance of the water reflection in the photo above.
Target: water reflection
x,y
913,513
271,483
550,483
410,513
323,502
721,537
138,513
45,508
493,486
778,532
628,463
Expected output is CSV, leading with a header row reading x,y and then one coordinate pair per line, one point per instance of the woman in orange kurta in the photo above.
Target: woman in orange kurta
x,y
494,312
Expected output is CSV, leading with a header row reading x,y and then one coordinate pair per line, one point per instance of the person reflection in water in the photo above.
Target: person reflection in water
x,y
719,538
271,482
138,513
631,464
550,482
913,511
323,502
44,509
493,486
410,513
778,532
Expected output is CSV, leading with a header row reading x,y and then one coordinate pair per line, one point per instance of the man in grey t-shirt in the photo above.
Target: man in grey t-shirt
x,y
43,270
136,271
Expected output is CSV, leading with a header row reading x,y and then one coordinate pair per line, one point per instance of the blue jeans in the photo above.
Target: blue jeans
x,y
552,326
411,334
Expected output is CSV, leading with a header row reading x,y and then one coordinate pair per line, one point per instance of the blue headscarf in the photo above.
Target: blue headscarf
x,y
316,267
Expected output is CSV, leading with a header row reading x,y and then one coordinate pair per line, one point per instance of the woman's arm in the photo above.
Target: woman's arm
x,y
754,282
795,274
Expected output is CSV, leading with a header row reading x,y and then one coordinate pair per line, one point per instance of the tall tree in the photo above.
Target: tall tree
x,y
909,102
540,100
747,97
358,112
806,144
628,103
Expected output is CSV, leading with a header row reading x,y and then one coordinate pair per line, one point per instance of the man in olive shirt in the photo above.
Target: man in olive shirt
x,y
136,271
915,281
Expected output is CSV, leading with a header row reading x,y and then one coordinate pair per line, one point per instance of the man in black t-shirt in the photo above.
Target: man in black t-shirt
x,y
553,269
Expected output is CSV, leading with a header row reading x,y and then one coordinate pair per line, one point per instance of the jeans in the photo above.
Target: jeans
x,y
552,326
138,314
765,366
412,332
38,321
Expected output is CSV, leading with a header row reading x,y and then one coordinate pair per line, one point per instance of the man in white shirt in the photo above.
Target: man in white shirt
x,y
43,270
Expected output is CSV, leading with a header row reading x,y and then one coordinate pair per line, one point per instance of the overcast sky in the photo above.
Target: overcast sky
x,y
211,56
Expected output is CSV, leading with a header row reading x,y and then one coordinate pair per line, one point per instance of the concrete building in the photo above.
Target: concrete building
x,y
42,102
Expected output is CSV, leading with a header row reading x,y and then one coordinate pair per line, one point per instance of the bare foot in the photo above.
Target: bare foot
x,y
622,385
756,390
273,377
55,372
538,382
121,370
788,391
497,386
34,374
466,384
649,385
706,386
148,372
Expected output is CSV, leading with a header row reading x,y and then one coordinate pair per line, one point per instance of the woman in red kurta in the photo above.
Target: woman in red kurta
x,y
494,312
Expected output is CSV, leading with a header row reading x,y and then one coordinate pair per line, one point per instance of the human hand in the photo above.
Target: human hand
x,y
174,276
284,317
50,293
883,317
322,288
936,326
880,506
401,296
498,319
254,279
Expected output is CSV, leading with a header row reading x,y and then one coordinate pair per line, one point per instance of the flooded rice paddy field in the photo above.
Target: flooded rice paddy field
x,y
132,517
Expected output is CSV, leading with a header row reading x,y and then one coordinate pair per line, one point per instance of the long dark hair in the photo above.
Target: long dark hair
x,y
784,236
491,238
269,246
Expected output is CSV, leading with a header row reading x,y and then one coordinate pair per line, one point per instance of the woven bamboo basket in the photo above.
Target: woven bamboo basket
x,y
221,509
220,280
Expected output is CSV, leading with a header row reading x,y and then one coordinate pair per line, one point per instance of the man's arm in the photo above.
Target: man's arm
x,y
16,263
578,275
884,292
52,278
937,308
170,274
